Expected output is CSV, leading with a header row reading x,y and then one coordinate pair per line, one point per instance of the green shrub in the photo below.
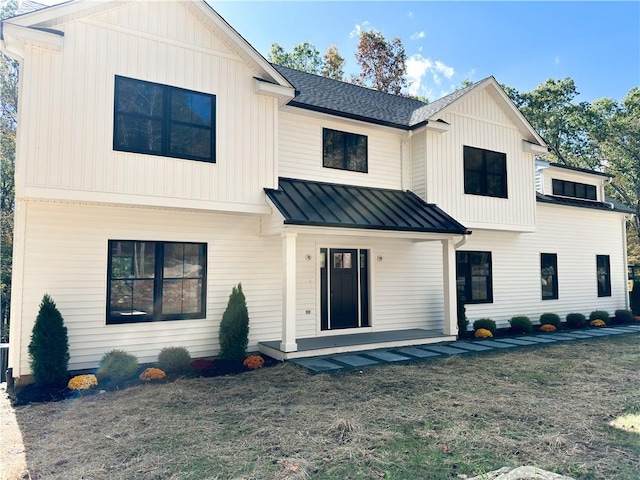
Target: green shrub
x,y
485,323
576,320
521,324
622,316
550,319
174,360
117,365
599,314
234,327
49,346
463,322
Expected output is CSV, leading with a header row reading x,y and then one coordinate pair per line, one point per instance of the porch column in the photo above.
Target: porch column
x,y
288,292
450,289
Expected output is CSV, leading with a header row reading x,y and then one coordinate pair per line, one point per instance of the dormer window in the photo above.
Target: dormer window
x,y
485,172
157,119
575,190
344,151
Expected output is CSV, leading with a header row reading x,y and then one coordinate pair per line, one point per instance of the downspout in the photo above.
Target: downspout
x,y
463,240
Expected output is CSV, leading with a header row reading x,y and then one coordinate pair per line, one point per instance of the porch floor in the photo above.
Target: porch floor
x,y
311,347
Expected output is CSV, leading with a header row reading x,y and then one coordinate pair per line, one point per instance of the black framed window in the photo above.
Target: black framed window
x,y
162,120
485,172
150,281
474,277
573,189
549,275
345,151
603,267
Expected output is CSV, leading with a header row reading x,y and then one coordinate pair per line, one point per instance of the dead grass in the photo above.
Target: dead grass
x,y
549,407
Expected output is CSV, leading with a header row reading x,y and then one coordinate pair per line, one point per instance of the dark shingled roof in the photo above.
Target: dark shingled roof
x,y
28,6
583,170
326,95
577,202
303,202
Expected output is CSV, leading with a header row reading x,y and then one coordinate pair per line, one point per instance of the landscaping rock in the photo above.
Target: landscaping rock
x,y
521,473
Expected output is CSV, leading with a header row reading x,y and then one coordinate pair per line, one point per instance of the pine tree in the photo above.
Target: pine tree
x,y
49,347
234,328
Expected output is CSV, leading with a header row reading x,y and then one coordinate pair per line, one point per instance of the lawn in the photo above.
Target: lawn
x,y
548,406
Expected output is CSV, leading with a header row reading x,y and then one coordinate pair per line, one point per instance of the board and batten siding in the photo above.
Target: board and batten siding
x,y
406,282
576,235
478,121
65,255
418,163
300,152
68,151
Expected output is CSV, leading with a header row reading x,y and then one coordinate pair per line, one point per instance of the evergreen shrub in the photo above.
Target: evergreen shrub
x,y
576,320
622,316
521,324
599,315
49,346
174,360
234,327
485,323
117,365
550,319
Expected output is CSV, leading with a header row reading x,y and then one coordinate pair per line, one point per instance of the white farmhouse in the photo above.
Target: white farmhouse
x,y
161,160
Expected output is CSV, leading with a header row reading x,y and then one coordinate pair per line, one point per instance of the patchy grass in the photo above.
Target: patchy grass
x,y
549,407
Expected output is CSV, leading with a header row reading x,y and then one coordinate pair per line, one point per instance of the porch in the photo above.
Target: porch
x,y
357,342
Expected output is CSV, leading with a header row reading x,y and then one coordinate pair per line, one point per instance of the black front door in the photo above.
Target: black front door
x,y
343,288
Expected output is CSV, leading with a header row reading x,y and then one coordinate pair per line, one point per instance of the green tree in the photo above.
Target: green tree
x,y
8,125
234,327
304,57
49,346
383,63
333,66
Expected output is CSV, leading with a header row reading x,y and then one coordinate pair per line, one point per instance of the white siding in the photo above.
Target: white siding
x,y
66,257
478,121
572,176
300,152
68,149
576,235
418,148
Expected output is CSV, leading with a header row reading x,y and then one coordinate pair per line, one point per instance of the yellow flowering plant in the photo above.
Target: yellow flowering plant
x,y
598,323
483,333
151,374
82,382
547,328
253,362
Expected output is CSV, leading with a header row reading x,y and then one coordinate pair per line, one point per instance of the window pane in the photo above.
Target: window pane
x,y
144,261
191,107
193,260
590,192
495,162
135,96
557,187
495,185
473,182
333,148
346,260
172,297
337,260
190,141
473,159
173,260
142,297
191,296
138,134
479,290
121,297
356,153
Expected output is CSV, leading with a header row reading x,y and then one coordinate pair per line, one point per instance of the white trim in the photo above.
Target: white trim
x,y
368,233
528,147
289,287
438,127
283,94
16,37
450,287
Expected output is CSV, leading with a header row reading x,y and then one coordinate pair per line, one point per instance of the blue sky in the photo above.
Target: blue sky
x,y
522,44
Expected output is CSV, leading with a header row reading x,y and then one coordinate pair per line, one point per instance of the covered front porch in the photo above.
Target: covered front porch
x,y
362,268
355,342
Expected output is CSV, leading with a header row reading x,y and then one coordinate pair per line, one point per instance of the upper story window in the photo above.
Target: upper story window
x,y
474,277
345,151
573,189
485,172
150,281
162,120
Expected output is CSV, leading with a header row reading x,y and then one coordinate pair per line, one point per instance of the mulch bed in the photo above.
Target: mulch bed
x,y
32,393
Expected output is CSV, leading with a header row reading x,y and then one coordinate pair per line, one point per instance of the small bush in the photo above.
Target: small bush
x,y
82,382
599,315
49,346
201,365
622,316
234,327
576,320
151,374
597,323
485,323
174,359
521,325
550,319
253,362
547,327
117,365
483,333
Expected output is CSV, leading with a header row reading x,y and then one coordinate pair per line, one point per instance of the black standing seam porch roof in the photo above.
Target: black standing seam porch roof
x,y
303,202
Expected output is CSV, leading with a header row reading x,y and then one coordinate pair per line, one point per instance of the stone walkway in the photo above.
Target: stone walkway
x,y
347,361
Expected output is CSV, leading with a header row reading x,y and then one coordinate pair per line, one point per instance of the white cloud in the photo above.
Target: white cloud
x,y
417,35
417,68
410,14
436,79
358,28
426,76
556,60
446,70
